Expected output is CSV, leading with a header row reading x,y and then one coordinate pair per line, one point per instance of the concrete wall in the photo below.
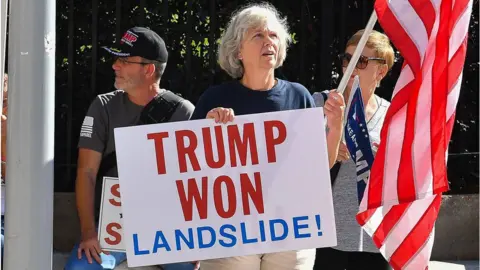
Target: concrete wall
x,y
456,234
66,227
456,230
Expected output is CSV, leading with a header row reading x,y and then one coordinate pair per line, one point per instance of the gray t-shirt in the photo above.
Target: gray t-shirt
x,y
112,110
350,236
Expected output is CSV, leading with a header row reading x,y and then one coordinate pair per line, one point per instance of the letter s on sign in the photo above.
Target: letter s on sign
x,y
112,230
114,190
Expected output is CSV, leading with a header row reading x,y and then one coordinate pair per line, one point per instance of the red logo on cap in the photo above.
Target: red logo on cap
x,y
129,38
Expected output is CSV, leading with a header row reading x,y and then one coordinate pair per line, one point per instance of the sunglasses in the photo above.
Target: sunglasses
x,y
362,61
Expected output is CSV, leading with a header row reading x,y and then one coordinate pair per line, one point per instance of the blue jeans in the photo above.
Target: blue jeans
x,y
111,261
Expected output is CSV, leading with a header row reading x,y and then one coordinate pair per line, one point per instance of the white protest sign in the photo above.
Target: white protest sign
x,y
110,223
198,190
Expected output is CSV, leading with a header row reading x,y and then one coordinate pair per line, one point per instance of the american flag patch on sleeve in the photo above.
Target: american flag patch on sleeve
x,y
87,127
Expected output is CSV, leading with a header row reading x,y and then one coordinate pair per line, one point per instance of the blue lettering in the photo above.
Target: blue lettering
x,y
297,227
137,251
213,237
189,242
244,235
319,224
272,229
262,231
160,242
227,235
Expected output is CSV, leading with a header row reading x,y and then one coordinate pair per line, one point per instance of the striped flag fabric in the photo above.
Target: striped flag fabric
x,y
403,196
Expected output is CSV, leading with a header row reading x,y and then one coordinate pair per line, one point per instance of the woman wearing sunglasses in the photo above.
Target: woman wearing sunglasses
x,y
355,249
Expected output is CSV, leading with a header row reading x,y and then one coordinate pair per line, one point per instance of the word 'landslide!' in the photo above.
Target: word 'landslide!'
x,y
229,235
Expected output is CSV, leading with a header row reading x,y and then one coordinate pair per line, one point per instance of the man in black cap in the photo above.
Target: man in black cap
x,y
139,62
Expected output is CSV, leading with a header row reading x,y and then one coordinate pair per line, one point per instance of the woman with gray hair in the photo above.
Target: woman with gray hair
x,y
253,46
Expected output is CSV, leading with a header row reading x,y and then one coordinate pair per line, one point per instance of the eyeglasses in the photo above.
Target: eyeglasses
x,y
362,61
124,60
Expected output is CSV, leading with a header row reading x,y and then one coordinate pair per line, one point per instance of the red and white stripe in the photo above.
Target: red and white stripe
x,y
403,196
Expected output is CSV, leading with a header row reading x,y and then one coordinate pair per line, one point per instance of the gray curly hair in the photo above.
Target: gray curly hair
x,y
250,17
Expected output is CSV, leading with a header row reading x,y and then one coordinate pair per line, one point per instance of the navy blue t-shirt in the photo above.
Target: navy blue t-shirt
x,y
283,96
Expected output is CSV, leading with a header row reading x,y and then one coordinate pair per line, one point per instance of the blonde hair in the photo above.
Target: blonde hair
x,y
378,42
252,16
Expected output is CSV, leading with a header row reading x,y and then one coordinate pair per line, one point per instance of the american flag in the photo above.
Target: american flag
x,y
402,198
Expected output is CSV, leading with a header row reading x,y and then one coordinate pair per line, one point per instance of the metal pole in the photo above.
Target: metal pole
x,y
3,37
30,146
357,53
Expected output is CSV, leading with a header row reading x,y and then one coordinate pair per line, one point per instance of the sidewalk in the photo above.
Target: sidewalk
x,y
460,265
59,260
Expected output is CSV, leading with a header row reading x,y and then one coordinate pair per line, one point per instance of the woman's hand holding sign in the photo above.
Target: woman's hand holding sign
x,y
221,115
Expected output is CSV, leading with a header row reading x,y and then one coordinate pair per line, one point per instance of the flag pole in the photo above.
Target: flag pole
x,y
357,53
353,62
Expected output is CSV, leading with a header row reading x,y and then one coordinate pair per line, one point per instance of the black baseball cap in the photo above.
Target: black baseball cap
x,y
143,42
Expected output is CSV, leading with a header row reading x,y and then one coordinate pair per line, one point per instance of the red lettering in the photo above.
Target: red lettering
x,y
191,197
242,144
193,194
271,141
184,151
117,237
159,151
255,193
114,190
130,37
207,144
231,196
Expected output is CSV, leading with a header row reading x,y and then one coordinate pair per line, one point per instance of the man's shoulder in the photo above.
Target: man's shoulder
x,y
184,108
107,98
171,96
186,104
170,99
